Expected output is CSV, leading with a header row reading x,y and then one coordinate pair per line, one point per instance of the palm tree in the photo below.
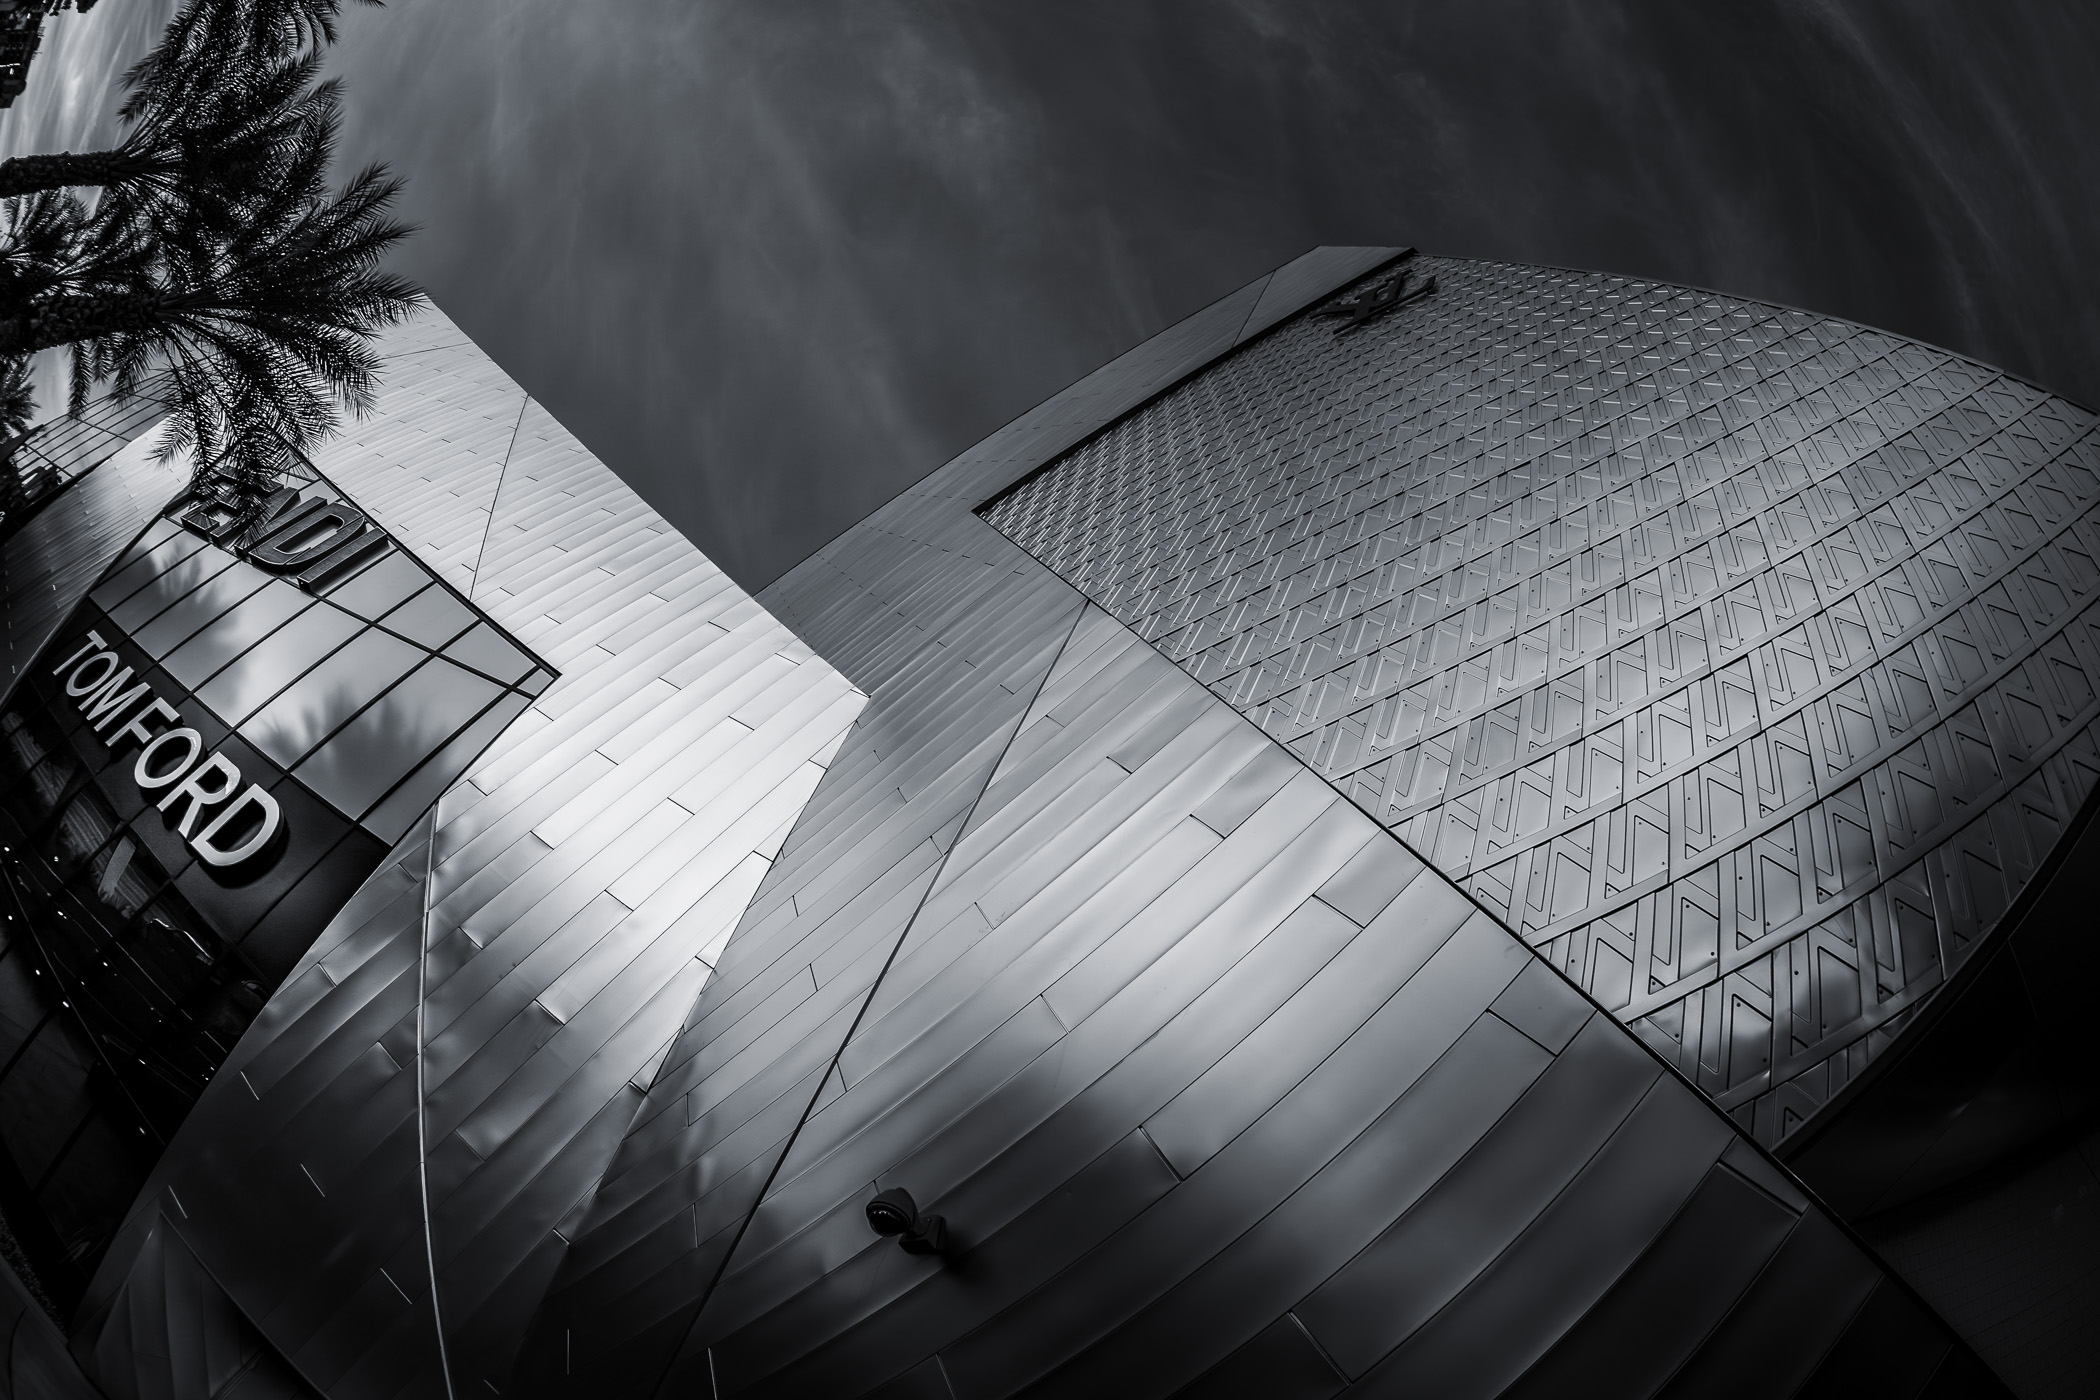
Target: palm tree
x,y
210,30
17,403
218,260
200,136
263,331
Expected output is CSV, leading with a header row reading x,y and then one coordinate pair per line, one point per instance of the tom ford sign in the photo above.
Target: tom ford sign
x,y
194,786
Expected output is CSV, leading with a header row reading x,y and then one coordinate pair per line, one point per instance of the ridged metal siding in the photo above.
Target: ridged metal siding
x,y
1216,1084
1737,657
443,1077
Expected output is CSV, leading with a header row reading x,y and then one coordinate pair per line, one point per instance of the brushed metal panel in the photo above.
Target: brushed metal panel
x,y
873,602
1704,641
1527,1298
1698,1267
1412,1271
482,1048
712,1104
958,885
1222,1263
1305,280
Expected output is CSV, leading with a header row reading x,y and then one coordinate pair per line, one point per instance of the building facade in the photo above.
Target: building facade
x,y
1325,859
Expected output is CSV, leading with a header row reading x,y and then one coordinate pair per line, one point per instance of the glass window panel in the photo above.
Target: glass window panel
x,y
79,832
355,768
187,615
487,651
87,1196
172,585
391,819
21,1011
311,707
433,618
237,631
48,767
44,1094
381,588
159,532
163,556
266,666
123,880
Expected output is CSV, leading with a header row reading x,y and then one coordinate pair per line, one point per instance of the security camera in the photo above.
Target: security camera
x,y
893,1212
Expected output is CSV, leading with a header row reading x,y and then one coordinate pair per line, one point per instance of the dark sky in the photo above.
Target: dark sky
x,y
773,261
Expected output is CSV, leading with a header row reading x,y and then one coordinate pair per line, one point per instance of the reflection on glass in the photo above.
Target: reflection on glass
x,y
201,605
178,582
486,651
376,750
273,663
315,704
430,619
164,555
373,593
230,638
138,999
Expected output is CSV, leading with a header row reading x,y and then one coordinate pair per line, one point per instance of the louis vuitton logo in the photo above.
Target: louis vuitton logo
x,y
1373,302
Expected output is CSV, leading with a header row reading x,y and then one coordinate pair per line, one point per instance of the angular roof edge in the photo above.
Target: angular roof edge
x,y
1107,393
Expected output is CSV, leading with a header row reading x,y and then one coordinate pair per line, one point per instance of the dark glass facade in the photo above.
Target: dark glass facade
x,y
208,757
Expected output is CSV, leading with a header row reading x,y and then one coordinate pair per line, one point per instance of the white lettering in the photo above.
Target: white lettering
x,y
136,728
76,686
171,758
206,841
201,795
142,772
104,704
94,640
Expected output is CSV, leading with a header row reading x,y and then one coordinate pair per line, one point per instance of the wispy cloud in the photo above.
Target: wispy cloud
x,y
773,262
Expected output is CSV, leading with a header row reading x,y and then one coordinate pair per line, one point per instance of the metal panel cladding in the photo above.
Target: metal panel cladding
x,y
1218,1089
964,889
1741,659
377,1177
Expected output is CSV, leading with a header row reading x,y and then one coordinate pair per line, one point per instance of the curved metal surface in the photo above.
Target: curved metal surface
x,y
1968,1154
1217,1087
442,1077
1739,658
966,889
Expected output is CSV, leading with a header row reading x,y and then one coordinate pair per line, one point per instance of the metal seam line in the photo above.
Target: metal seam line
x,y
1252,307
867,1000
1670,1067
1859,1240
502,475
437,1316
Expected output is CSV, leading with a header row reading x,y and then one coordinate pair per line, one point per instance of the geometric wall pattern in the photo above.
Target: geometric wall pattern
x,y
919,869
1739,658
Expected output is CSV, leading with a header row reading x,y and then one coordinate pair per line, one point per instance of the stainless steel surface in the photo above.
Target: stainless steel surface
x,y
959,886
1739,658
444,1075
1032,984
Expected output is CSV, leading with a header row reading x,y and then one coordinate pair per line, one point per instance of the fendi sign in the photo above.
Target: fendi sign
x,y
312,540
171,760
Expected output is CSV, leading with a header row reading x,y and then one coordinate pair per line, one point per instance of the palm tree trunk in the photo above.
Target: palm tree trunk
x,y
68,320
22,175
